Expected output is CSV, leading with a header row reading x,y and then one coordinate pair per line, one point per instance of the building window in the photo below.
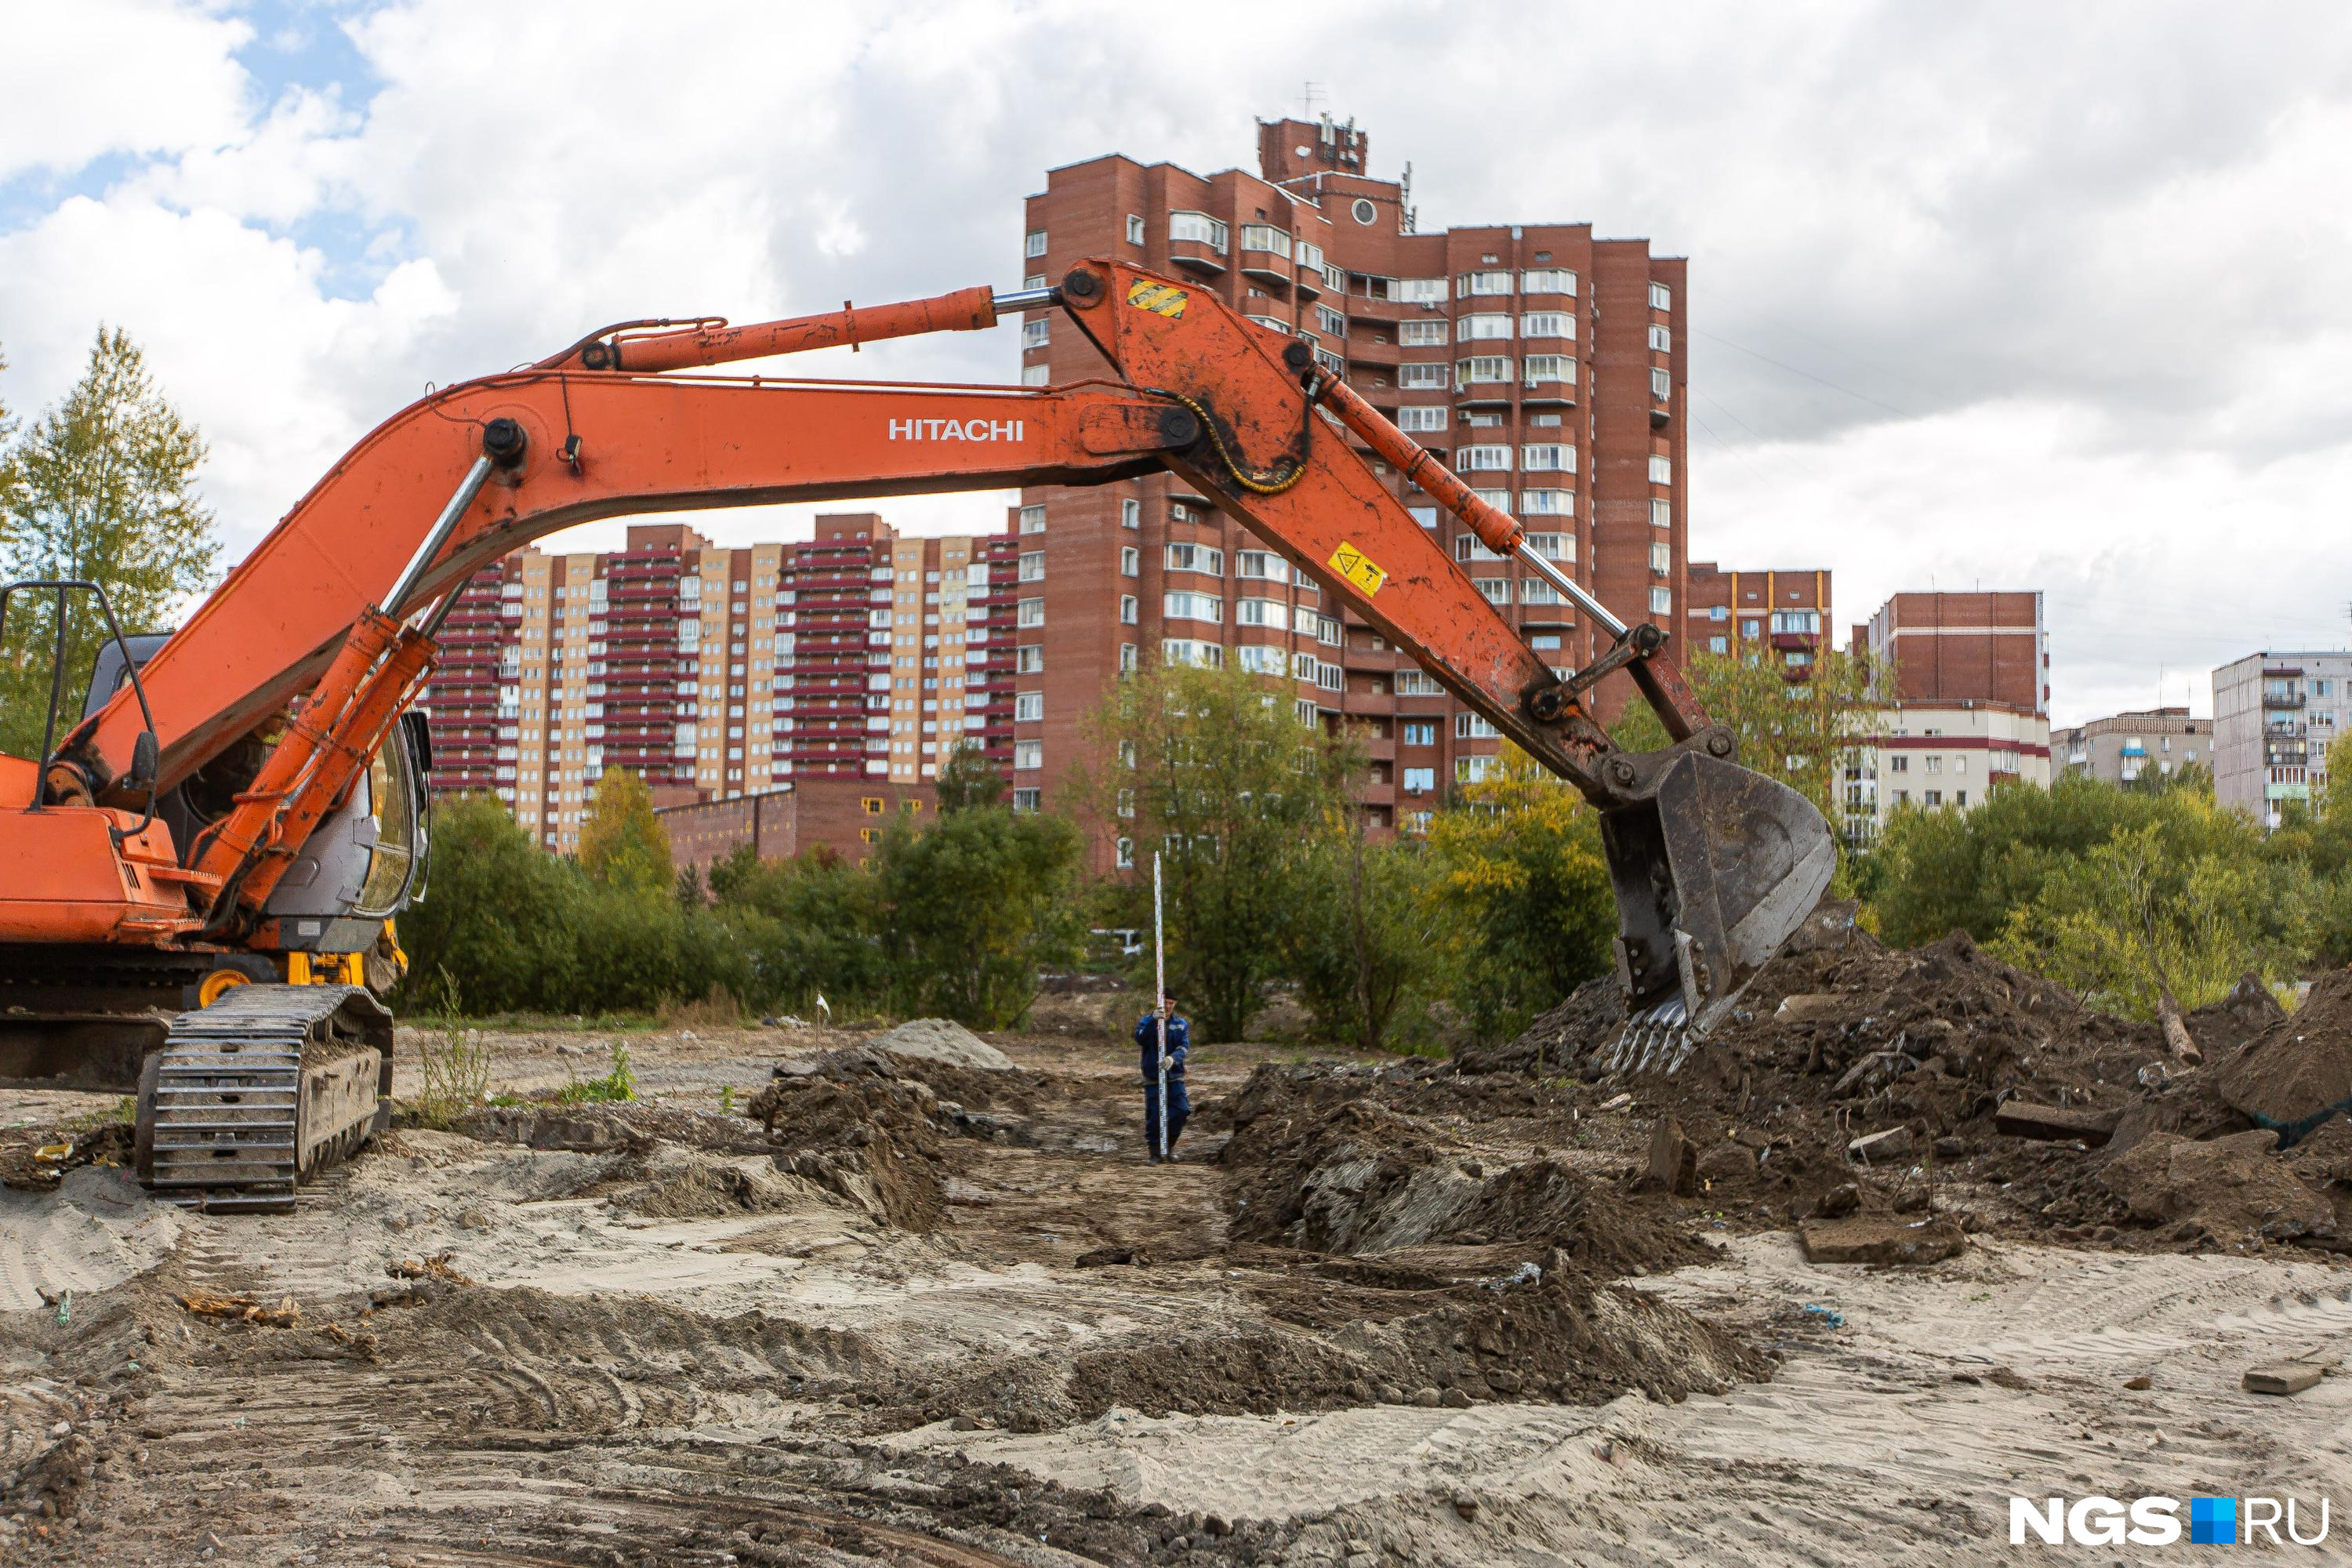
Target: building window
x,y
1127,609
1661,297
1135,228
1270,613
1418,290
1497,590
1200,558
1547,280
1184,606
1483,460
1421,334
1535,591
1662,470
1662,384
1933,797
1661,512
1259,659
1550,368
1029,708
1419,781
1032,519
1807,621
1264,237
1473,727
1421,419
1034,245
1197,228
1035,334
1554,457
1029,659
1426,377
1032,566
1719,645
1470,547
1661,557
1419,732
1549,503
1261,564
1187,650
870,805
1751,628
1028,753
1029,613
1131,513
1036,375
1473,284
1660,339
1547,324
1486,326
1417,683
1027,799
1662,600
1329,321
1482,371
1127,657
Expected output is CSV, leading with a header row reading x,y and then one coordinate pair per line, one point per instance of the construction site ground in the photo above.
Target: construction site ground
x,y
906,1309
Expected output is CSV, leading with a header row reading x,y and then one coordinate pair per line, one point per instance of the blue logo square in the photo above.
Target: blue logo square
x,y
2213,1521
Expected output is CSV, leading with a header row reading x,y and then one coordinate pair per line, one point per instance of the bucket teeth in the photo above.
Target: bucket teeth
x,y
1656,1039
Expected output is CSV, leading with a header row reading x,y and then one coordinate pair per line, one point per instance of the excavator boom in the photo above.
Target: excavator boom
x,y
296,670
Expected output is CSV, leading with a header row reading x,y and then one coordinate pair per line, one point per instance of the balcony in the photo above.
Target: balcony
x,y
2277,700
1196,255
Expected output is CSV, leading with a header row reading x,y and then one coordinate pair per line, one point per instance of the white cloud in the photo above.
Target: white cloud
x,y
80,80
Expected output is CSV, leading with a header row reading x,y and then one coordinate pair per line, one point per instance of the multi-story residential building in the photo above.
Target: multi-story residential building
x,y
1966,681
2128,746
2275,714
715,672
1546,363
847,815
1782,616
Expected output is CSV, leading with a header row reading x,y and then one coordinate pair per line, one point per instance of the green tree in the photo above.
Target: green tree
x,y
622,845
816,927
1212,768
101,488
2180,905
1523,889
975,904
499,922
969,779
1364,941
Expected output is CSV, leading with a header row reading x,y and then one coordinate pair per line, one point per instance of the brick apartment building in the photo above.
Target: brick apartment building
x,y
2275,714
1548,366
1967,681
2123,747
1782,616
847,817
856,657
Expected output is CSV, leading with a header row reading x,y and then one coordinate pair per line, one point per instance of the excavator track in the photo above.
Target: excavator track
x,y
256,1093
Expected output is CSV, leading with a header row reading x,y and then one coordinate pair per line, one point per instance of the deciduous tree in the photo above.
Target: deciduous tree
x,y
623,844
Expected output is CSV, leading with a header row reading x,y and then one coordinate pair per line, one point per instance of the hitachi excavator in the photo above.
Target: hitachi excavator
x,y
197,872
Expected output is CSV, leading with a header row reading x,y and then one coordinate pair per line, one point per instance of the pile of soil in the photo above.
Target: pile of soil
x,y
942,1040
2224,1188
2295,1075
673,1183
871,1139
2220,1027
961,1085
1359,1178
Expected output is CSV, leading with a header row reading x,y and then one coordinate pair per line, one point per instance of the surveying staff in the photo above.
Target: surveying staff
x,y
1179,1104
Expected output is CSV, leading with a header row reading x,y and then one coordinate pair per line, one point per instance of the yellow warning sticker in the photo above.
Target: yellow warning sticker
x,y
1159,299
1358,568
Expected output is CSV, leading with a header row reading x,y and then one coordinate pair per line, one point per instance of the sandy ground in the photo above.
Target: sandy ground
x,y
609,1365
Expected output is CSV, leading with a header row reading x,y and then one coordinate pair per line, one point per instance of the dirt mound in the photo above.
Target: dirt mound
x,y
871,1140
961,1087
2220,1028
672,1182
1359,1178
1546,1338
942,1040
2296,1075
2227,1188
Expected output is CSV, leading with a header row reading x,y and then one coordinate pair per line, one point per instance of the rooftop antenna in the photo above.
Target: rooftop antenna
x,y
1404,201
1309,93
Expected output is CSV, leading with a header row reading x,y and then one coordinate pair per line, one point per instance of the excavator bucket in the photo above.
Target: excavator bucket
x,y
1714,867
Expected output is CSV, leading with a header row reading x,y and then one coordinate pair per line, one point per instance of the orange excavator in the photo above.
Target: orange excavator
x,y
198,874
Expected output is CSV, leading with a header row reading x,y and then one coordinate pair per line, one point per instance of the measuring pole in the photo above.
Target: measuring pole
x,y
1160,999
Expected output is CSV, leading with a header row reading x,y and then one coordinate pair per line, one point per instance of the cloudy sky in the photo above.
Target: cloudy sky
x,y
2019,296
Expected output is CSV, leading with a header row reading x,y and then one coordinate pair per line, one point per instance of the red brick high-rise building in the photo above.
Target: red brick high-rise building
x,y
1782,616
1547,364
855,657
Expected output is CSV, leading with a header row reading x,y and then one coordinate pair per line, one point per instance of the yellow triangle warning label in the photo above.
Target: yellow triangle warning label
x,y
1358,568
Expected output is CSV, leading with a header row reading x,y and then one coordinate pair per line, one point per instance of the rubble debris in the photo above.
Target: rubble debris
x,y
1114,1256
1895,1143
1880,1238
2283,1378
2056,1123
243,1309
1674,1161
2139,1384
2227,1187
437,1267
2222,1027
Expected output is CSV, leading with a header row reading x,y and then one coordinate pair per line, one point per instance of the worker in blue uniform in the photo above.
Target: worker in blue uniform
x,y
1179,1104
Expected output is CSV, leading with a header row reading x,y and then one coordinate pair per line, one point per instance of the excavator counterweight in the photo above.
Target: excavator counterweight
x,y
243,802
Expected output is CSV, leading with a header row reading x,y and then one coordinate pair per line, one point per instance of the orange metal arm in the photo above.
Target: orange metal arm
x,y
1210,397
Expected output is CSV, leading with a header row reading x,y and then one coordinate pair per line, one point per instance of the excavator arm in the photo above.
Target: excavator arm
x,y
331,618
